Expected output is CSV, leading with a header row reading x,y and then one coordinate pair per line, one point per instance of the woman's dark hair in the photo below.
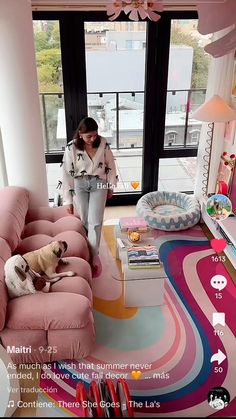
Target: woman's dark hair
x,y
86,125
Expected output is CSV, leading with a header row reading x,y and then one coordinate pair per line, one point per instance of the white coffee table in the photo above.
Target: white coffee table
x,y
142,287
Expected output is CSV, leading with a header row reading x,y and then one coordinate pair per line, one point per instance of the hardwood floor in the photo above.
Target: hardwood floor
x,y
118,212
28,397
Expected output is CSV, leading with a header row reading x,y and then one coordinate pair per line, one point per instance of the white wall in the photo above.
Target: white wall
x,y
20,119
3,170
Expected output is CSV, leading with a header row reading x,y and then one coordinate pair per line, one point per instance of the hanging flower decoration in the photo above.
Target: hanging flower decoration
x,y
229,160
136,9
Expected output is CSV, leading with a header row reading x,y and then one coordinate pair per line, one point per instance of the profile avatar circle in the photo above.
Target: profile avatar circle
x,y
218,398
218,207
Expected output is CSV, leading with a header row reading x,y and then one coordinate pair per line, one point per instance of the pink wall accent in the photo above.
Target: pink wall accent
x,y
214,17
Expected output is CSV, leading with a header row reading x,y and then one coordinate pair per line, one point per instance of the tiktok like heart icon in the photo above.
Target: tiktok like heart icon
x,y
218,245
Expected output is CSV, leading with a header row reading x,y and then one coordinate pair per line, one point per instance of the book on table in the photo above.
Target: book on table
x,y
133,223
145,266
143,257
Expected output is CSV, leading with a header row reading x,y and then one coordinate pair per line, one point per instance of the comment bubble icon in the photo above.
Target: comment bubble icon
x,y
218,282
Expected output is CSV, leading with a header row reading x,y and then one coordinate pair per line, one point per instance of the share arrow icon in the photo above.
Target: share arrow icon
x,y
219,357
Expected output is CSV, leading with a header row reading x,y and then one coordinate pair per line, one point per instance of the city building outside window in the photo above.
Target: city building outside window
x,y
171,137
194,136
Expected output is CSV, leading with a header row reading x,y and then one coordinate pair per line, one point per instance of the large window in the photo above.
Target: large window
x,y
115,79
186,88
141,81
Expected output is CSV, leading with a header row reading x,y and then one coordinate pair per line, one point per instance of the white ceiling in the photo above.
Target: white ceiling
x,y
101,4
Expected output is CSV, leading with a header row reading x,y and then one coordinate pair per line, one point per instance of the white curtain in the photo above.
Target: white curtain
x,y
220,79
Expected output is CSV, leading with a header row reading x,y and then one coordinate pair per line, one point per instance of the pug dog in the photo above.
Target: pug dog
x,y
21,280
46,259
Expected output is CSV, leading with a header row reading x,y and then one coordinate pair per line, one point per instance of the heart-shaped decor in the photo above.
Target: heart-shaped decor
x,y
218,245
136,374
135,185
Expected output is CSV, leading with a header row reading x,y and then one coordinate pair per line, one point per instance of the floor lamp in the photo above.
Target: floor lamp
x,y
213,110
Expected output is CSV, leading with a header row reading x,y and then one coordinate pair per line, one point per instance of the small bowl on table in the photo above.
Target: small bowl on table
x,y
134,236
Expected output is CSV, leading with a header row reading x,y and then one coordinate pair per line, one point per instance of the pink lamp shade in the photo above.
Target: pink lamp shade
x,y
215,110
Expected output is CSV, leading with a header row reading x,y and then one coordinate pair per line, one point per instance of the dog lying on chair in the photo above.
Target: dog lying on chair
x,y
21,280
46,259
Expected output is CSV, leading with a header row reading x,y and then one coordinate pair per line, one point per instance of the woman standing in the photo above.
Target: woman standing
x,y
89,173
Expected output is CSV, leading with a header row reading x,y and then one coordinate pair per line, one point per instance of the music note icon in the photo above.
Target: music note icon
x,y
11,403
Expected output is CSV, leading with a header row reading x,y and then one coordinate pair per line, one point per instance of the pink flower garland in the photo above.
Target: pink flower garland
x,y
136,9
229,160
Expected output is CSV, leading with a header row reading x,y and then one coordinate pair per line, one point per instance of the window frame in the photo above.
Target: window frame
x,y
155,93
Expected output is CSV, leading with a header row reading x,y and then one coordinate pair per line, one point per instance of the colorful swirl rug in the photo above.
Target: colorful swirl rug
x,y
170,344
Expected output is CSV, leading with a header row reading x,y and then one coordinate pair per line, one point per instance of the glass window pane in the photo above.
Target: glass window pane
x,y
54,174
115,69
197,98
101,107
187,81
177,174
49,69
128,163
54,124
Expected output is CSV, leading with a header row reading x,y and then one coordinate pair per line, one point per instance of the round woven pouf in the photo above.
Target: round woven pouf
x,y
169,211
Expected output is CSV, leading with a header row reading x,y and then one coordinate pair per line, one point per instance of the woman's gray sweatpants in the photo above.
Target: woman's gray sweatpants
x,y
90,199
